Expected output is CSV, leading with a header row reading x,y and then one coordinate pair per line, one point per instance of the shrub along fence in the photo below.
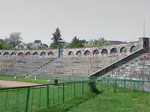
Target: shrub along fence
x,y
32,98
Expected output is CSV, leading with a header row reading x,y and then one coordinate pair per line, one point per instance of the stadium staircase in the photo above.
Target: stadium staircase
x,y
124,66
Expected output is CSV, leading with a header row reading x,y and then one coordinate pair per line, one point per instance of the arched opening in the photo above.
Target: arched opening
x,y
133,49
70,53
78,53
87,52
113,50
95,52
123,50
13,54
50,54
28,54
35,54
6,54
0,53
104,51
20,54
43,53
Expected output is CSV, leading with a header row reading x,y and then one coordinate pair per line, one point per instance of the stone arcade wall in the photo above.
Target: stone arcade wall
x,y
105,50
53,53
110,49
143,48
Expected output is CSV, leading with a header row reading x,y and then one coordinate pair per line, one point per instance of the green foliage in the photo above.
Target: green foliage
x,y
41,47
100,42
28,47
56,39
76,43
55,45
3,45
37,41
14,39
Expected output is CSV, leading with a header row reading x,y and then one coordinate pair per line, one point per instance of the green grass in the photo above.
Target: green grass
x,y
39,81
15,99
120,101
70,103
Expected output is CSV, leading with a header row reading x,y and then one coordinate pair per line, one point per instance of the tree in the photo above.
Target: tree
x,y
3,45
37,41
56,39
76,43
43,46
100,42
14,39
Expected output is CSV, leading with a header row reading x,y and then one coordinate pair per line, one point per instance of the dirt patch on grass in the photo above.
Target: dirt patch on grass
x,y
15,84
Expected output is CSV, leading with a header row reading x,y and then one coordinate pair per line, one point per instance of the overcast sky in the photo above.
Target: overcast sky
x,y
87,19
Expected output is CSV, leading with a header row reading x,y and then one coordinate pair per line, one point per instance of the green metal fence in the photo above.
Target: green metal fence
x,y
125,84
32,98
62,78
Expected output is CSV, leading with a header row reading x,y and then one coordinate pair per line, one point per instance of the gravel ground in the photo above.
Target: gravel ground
x,y
15,84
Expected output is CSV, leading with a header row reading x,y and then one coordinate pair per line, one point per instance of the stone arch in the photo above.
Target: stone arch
x,y
79,52
43,53
95,52
35,54
50,53
70,53
113,50
20,54
104,51
6,53
28,54
133,49
123,50
87,52
13,54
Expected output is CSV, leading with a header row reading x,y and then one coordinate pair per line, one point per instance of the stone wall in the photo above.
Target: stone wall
x,y
119,49
53,53
127,48
118,63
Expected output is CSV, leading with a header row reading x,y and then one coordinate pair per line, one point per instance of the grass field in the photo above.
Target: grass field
x,y
120,101
39,97
123,100
74,102
106,101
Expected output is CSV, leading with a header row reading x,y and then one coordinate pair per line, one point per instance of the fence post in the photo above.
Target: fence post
x,y
134,85
27,99
115,85
6,100
124,83
108,81
82,87
47,96
63,92
74,89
